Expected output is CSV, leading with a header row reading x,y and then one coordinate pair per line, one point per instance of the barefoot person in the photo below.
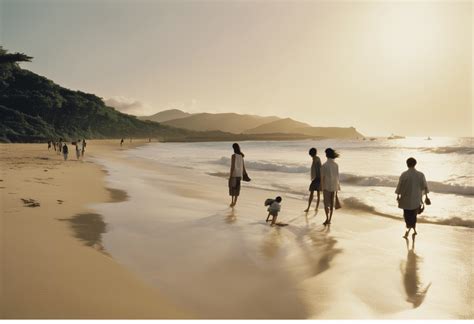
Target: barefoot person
x,y
65,151
410,188
237,170
315,178
329,183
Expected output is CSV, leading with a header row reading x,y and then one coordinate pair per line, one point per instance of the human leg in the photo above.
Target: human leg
x,y
310,200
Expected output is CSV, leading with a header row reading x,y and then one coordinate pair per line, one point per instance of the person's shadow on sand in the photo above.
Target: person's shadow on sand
x,y
411,277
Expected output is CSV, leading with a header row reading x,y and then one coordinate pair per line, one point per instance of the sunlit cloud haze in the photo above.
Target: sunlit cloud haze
x,y
129,106
383,67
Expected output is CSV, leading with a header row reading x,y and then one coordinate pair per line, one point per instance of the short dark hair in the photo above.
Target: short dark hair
x,y
278,199
313,151
411,162
331,154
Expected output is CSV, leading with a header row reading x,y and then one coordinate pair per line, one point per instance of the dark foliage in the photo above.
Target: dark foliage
x,y
34,108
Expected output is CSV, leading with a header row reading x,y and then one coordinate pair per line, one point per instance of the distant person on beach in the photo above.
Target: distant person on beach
x,y
49,145
237,170
315,178
65,151
54,146
274,206
121,142
78,149
330,183
411,186
60,146
83,147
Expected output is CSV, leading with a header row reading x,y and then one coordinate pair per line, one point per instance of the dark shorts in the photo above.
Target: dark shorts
x,y
410,217
315,185
234,186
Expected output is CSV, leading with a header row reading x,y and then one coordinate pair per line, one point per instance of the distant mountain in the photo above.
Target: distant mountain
x,y
330,132
290,126
226,122
166,115
35,109
285,126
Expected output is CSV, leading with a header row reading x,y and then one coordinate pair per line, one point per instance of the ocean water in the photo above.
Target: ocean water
x,y
369,170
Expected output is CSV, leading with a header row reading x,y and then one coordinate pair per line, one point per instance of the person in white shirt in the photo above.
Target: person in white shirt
x,y
274,209
411,186
237,170
329,183
78,149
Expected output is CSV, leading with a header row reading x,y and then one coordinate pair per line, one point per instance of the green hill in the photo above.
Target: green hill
x,y
34,108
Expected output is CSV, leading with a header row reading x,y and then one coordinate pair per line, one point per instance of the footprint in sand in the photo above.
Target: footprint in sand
x,y
30,202
60,201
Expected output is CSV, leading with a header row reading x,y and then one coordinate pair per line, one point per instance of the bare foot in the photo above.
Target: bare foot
x,y
306,210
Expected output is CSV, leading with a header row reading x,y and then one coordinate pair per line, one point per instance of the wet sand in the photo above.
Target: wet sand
x,y
53,264
220,262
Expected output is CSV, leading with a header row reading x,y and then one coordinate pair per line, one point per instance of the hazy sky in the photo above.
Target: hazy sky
x,y
404,67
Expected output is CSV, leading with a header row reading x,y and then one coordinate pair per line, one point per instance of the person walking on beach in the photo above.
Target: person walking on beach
x,y
49,144
411,186
60,146
78,149
315,178
330,183
83,147
121,142
237,170
65,151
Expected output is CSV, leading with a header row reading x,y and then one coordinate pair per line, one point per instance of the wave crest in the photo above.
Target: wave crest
x,y
357,204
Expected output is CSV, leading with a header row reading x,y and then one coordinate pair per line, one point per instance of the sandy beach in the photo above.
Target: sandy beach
x,y
52,262
163,243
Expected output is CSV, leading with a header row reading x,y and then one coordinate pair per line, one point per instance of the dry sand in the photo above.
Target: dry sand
x,y
52,263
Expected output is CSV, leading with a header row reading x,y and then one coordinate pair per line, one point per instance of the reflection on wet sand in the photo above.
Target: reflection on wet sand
x,y
318,247
411,276
88,227
323,252
272,242
231,217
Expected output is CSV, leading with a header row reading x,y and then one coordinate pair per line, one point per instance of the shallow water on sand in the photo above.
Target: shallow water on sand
x,y
369,170
176,232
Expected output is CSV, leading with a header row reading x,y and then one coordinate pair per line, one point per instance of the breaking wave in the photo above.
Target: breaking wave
x,y
357,204
356,180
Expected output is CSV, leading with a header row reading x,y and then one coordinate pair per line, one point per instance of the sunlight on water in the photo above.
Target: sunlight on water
x,y
369,170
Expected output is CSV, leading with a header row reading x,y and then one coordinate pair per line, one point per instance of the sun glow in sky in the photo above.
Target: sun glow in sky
x,y
383,67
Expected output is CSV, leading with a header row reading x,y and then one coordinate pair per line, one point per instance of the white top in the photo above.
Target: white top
x,y
411,185
274,207
79,146
330,176
238,166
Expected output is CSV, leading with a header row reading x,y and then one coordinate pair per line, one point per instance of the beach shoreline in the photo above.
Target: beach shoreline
x,y
360,267
48,269
89,258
